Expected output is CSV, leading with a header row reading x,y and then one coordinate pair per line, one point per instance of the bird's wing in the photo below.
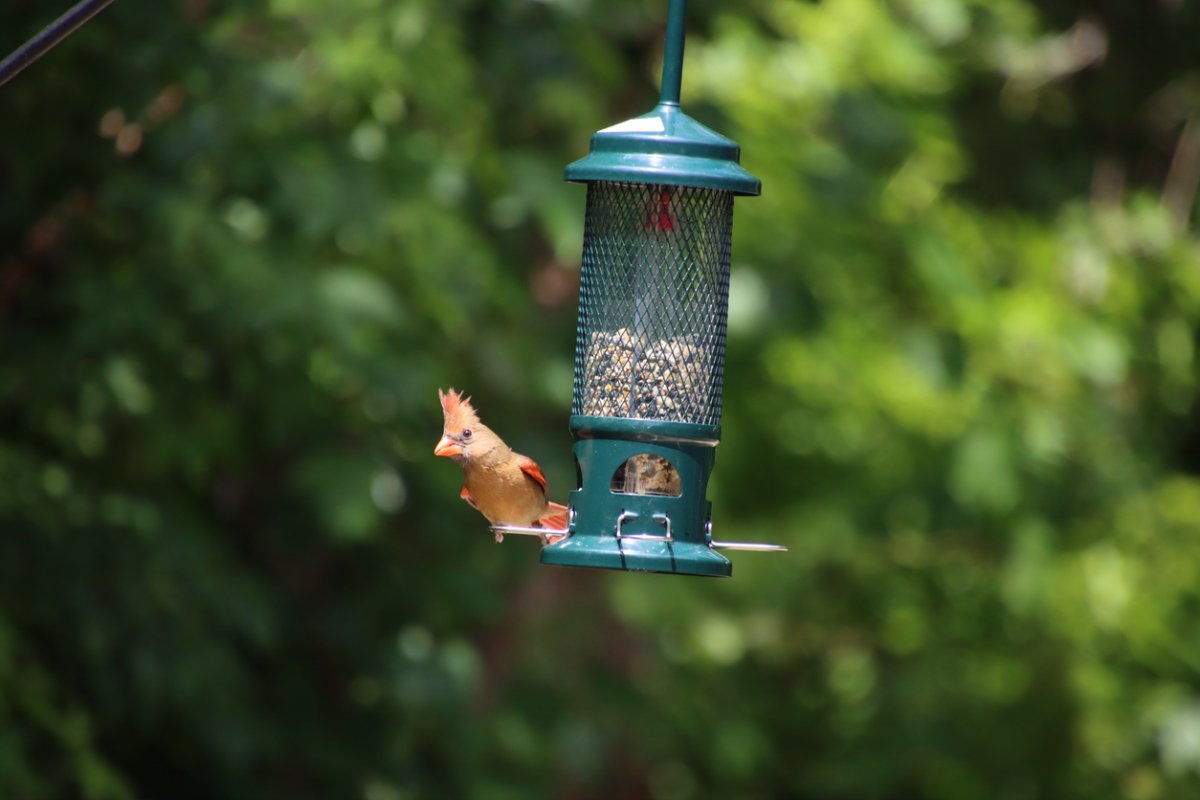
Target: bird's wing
x,y
465,494
530,468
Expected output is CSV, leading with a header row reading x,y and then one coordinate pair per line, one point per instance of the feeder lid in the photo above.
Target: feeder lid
x,y
665,146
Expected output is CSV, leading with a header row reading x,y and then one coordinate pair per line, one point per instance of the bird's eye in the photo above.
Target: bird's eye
x,y
467,433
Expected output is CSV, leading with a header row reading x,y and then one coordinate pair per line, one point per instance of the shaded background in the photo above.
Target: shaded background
x,y
242,244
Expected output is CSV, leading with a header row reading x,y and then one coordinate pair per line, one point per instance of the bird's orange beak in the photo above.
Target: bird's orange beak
x,y
447,447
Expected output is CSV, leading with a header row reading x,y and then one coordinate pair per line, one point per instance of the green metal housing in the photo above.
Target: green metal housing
x,y
598,512
665,146
651,339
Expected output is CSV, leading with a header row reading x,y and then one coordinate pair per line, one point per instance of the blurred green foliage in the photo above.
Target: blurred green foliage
x,y
242,244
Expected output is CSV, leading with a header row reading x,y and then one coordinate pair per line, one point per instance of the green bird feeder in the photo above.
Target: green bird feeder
x,y
650,347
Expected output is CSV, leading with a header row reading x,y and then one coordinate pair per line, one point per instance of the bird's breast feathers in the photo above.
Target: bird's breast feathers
x,y
505,494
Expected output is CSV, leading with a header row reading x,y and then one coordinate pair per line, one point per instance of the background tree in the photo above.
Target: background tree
x,y
241,245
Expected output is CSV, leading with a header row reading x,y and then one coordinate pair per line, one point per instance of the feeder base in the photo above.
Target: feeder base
x,y
634,555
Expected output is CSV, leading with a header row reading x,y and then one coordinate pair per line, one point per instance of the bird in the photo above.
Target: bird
x,y
506,487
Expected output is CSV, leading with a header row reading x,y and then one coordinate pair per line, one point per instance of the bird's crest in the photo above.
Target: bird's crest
x,y
458,411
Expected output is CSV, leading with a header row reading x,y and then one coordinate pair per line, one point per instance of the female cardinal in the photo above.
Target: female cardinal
x,y
506,487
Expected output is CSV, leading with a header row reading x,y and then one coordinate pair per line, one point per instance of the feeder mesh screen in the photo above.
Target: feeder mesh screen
x,y
653,302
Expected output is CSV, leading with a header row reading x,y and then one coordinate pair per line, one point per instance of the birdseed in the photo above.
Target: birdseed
x,y
629,376
647,473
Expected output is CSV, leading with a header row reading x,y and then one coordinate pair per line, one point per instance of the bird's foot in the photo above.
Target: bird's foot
x,y
549,537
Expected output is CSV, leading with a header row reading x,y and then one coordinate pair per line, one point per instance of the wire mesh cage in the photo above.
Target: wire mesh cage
x,y
653,299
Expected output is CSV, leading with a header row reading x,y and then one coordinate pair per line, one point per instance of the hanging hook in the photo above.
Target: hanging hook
x,y
650,537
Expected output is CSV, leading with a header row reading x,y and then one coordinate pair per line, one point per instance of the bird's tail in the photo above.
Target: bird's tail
x,y
555,519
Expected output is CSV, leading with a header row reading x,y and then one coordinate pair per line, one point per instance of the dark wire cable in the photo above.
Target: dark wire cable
x,y
50,35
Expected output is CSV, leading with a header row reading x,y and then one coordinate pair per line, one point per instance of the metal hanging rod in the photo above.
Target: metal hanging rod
x,y
49,36
672,69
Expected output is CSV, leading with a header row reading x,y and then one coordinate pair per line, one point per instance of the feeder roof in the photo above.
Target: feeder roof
x,y
665,146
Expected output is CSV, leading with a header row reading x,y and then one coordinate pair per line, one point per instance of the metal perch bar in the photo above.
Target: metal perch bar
x,y
542,533
759,547
753,547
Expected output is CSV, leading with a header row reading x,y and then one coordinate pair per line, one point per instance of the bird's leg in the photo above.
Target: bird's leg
x,y
548,536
